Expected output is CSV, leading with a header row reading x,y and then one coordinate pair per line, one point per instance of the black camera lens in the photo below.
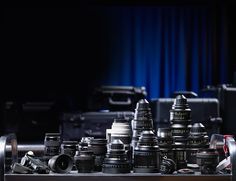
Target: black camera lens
x,y
121,130
146,154
180,119
61,163
142,120
207,159
165,142
84,161
69,147
180,157
52,143
116,160
197,139
99,148
167,166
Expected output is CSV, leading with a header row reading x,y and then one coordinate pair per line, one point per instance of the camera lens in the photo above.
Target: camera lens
x,y
69,147
52,143
197,139
84,161
116,160
61,163
167,166
165,142
142,120
180,119
179,149
146,154
121,130
207,159
99,148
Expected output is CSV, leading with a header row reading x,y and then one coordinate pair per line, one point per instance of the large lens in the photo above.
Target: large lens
x,y
61,163
84,161
142,120
165,141
121,130
146,154
207,159
180,118
99,148
116,160
52,143
197,139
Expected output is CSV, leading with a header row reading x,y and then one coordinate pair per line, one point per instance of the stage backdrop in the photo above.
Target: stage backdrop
x,y
167,49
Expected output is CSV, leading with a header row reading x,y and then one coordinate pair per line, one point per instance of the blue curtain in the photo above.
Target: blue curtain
x,y
167,49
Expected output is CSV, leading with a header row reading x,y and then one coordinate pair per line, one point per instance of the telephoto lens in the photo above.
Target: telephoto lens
x,y
61,163
84,161
165,142
121,129
180,119
69,147
52,143
116,160
99,148
207,159
142,120
167,166
146,154
197,139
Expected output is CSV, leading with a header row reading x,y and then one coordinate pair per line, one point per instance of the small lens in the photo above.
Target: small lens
x,y
197,140
61,163
207,159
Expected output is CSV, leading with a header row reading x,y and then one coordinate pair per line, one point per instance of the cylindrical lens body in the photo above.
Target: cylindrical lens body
x,y
207,159
146,154
180,119
121,130
52,143
99,148
84,161
142,120
165,142
180,155
69,148
197,140
61,163
116,160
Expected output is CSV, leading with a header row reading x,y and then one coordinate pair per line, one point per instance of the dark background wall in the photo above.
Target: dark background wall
x,y
64,52
61,54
